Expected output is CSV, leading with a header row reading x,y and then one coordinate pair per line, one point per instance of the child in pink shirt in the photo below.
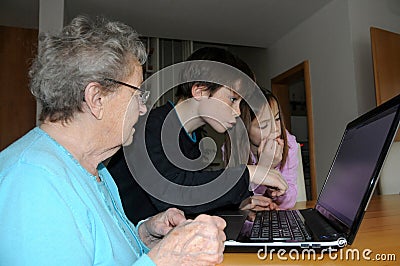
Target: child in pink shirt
x,y
262,132
285,158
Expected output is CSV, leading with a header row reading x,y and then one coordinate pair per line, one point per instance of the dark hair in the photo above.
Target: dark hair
x,y
216,54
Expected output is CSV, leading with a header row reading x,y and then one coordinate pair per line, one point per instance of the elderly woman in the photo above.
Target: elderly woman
x,y
58,203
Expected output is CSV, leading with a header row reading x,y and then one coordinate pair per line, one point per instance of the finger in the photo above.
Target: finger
x,y
271,143
259,202
261,197
274,135
279,190
280,141
202,218
258,208
245,207
275,206
262,145
218,221
175,217
221,223
278,193
279,148
281,182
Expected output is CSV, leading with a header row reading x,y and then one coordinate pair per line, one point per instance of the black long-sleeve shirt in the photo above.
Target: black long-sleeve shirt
x,y
139,203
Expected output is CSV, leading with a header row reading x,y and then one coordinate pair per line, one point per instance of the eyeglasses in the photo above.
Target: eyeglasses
x,y
143,96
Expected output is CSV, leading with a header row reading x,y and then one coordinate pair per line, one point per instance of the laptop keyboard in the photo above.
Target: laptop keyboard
x,y
279,226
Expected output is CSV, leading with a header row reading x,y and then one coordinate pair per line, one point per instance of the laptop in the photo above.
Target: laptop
x,y
341,204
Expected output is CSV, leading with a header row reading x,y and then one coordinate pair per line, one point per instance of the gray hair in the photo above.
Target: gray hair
x,y
84,51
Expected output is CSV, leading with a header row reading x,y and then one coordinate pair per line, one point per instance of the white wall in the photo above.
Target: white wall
x,y
336,41
384,14
51,15
325,40
389,182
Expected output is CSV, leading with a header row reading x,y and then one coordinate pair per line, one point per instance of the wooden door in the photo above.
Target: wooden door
x,y
280,87
386,60
17,105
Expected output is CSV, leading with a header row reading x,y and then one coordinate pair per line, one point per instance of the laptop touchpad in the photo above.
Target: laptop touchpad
x,y
234,223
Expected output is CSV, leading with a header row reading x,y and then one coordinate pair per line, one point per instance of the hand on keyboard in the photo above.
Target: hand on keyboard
x,y
258,203
272,178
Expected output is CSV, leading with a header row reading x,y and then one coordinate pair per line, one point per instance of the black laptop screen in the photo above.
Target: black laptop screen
x,y
354,165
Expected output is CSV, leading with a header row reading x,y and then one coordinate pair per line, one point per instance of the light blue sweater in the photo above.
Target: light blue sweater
x,y
54,212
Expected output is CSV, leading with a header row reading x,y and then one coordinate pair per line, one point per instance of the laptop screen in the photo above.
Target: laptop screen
x,y
354,166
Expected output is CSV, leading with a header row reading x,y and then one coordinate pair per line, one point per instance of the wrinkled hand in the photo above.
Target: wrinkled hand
x,y
194,242
258,203
154,229
270,151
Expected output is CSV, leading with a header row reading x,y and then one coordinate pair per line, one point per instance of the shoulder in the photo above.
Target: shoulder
x,y
44,170
13,153
293,146
291,138
156,117
36,157
36,177
161,111
35,148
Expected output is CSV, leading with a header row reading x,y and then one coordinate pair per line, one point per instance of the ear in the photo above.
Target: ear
x,y
199,91
94,99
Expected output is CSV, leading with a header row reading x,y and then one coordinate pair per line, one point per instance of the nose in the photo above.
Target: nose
x,y
278,126
142,109
236,110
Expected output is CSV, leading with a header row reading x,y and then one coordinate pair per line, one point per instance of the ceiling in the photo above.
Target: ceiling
x,y
257,23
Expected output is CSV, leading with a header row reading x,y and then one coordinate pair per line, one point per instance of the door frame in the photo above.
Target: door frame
x,y
385,57
280,85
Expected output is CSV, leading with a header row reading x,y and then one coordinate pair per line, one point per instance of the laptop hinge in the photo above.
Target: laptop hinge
x,y
332,220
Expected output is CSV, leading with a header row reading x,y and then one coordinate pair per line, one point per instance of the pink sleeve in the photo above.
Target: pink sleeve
x,y
289,173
